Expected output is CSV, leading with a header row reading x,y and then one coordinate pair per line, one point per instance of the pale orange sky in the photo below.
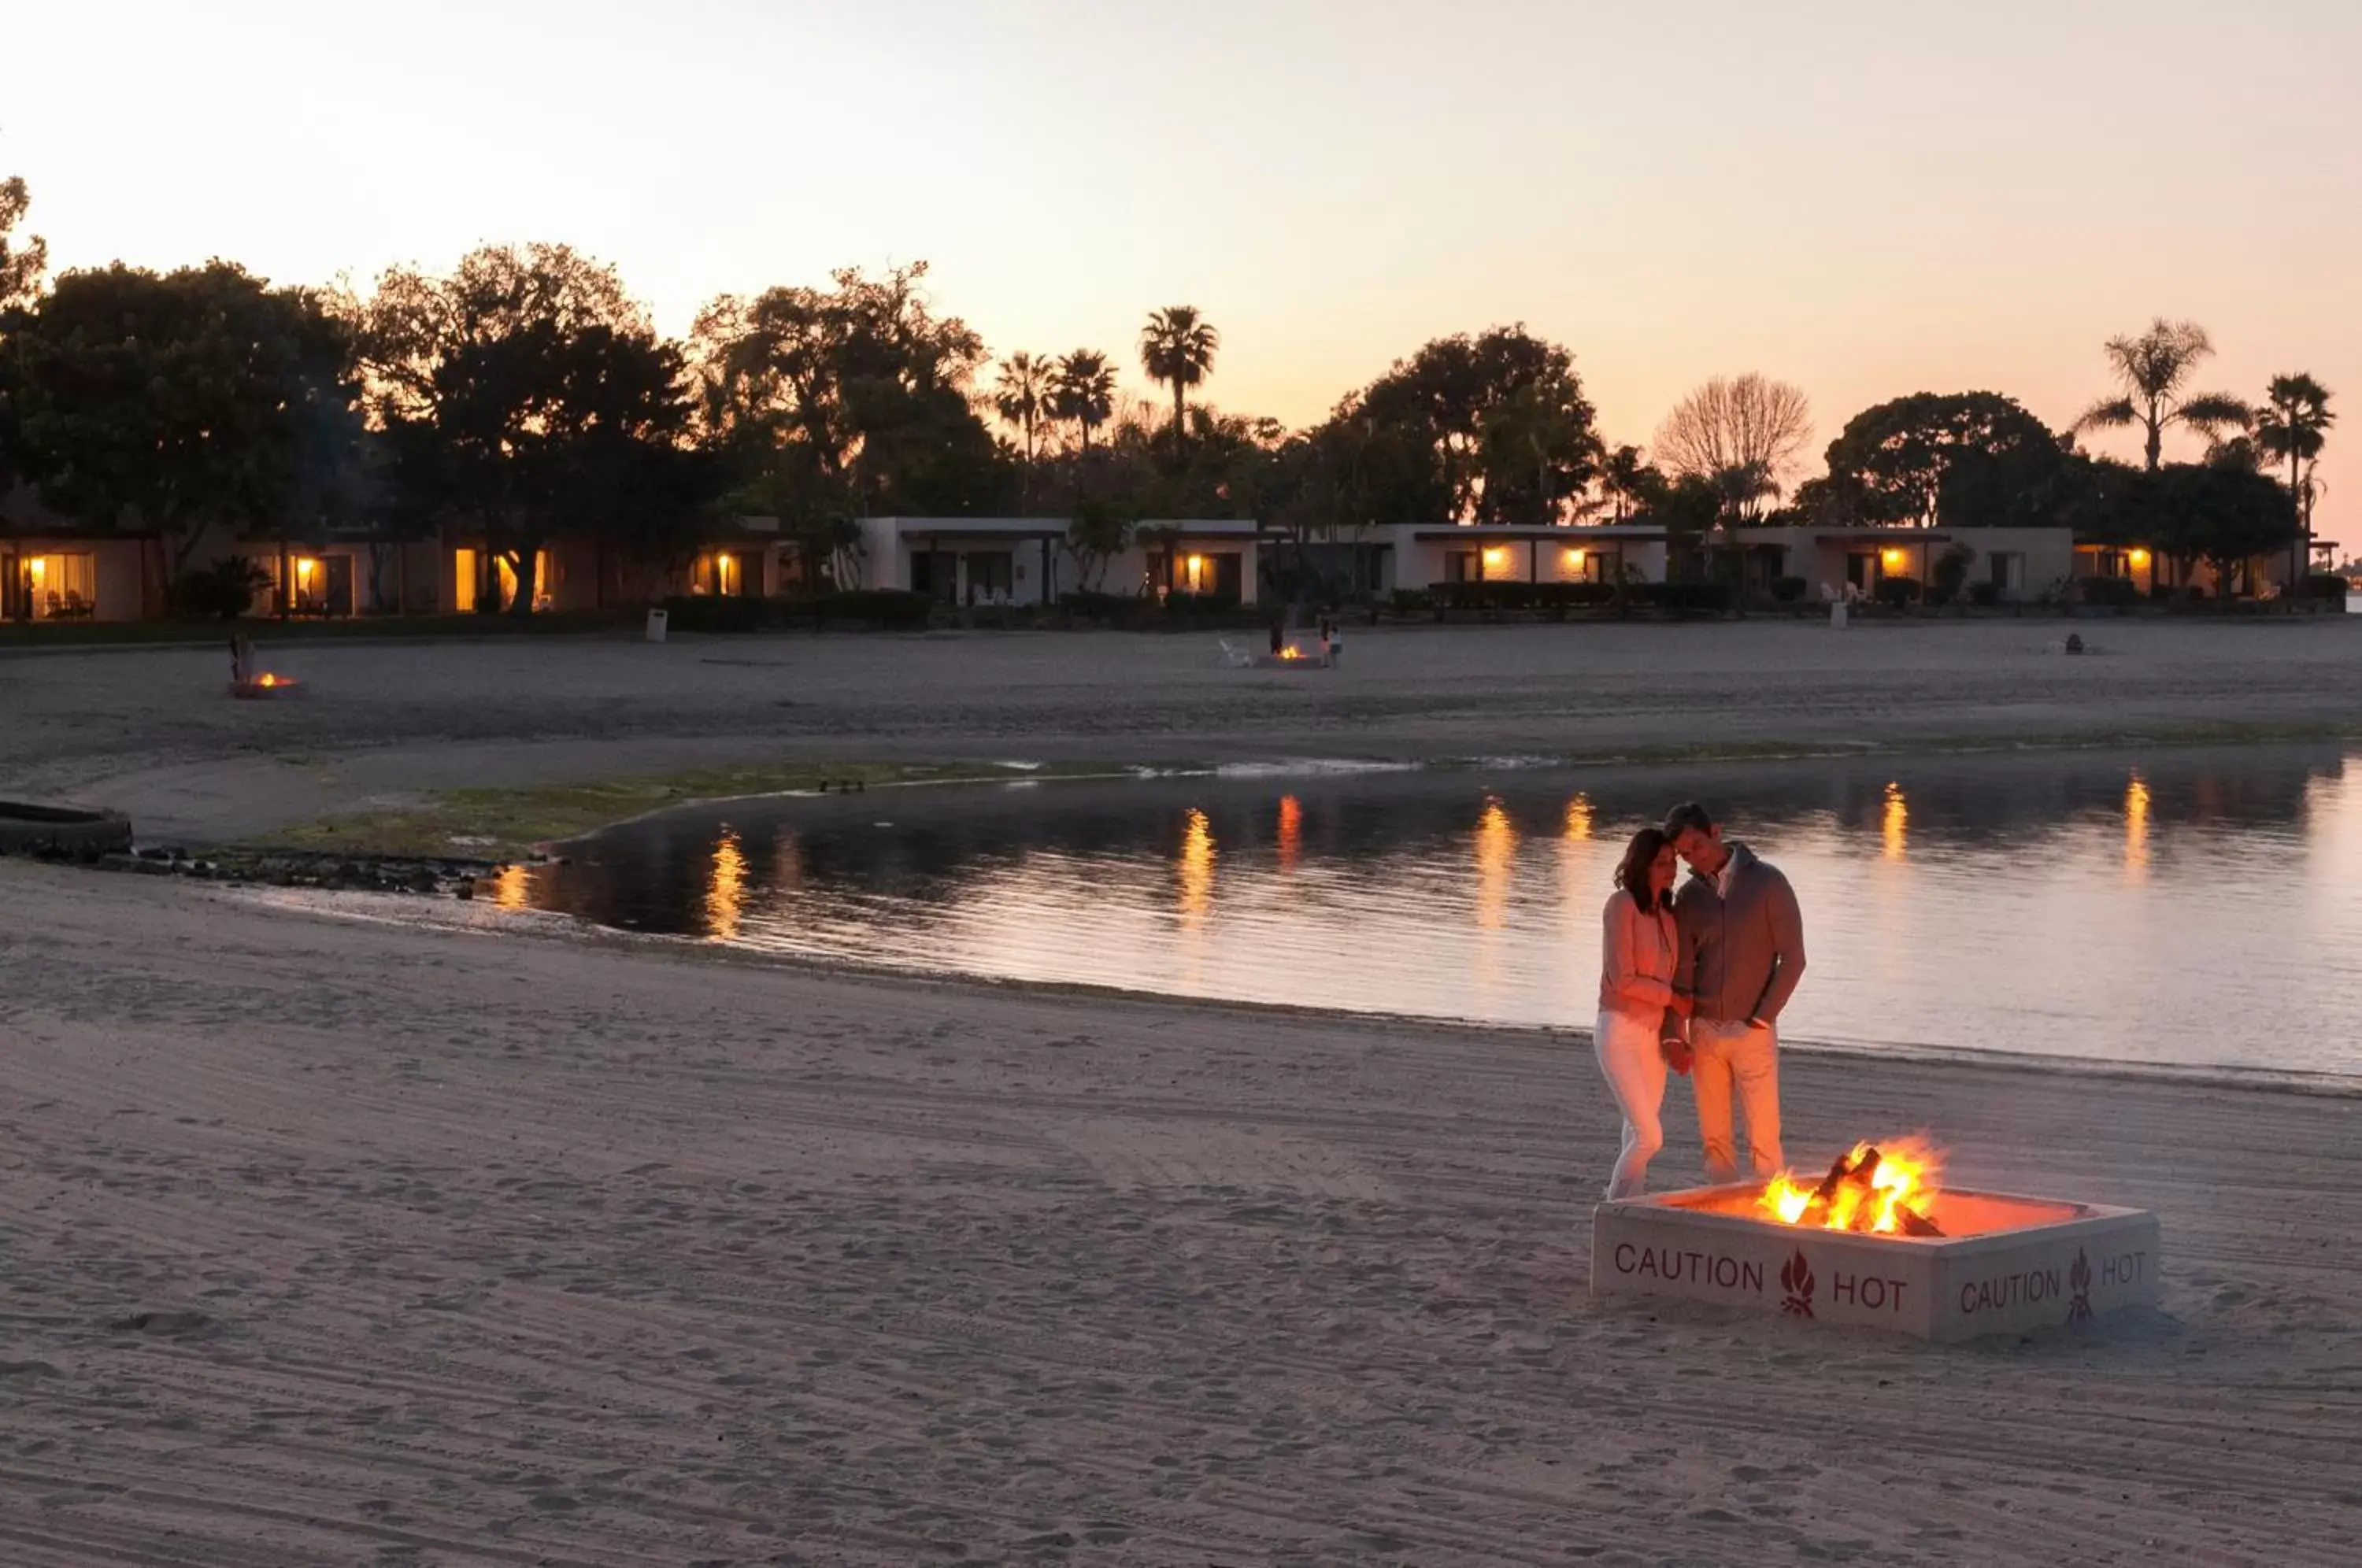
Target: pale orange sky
x,y
1866,199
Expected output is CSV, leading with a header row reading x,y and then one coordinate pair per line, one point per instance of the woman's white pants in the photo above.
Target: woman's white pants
x,y
1634,1065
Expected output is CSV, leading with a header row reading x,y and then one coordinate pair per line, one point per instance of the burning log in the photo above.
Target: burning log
x,y
1864,1191
1913,1223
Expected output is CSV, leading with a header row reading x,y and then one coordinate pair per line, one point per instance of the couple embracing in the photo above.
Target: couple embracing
x,y
1695,983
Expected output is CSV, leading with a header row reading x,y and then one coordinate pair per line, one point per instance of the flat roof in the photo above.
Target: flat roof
x,y
1578,535
1878,536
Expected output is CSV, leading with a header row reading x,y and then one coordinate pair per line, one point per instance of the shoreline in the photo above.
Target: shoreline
x,y
364,836
542,925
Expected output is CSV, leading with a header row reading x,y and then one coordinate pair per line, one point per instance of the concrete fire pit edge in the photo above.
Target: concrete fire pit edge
x,y
2066,1271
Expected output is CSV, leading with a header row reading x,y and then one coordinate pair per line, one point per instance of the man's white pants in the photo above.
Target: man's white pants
x,y
1634,1065
1742,1059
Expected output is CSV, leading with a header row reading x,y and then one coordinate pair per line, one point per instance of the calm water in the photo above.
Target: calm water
x,y
2189,909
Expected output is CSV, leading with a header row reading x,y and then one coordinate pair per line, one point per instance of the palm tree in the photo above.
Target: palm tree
x,y
1176,349
1021,394
1083,390
2152,369
1744,488
2294,424
1628,481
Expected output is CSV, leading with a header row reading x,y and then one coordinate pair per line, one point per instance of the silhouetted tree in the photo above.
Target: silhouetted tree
x,y
2292,427
1176,349
1744,434
1083,392
1969,459
525,393
1495,428
1021,396
2152,370
869,380
22,261
1628,482
179,400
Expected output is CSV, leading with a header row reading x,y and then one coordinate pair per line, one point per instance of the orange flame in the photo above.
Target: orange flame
x,y
1906,1181
265,679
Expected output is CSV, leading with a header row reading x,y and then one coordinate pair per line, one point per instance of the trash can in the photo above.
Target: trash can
x,y
1837,619
657,621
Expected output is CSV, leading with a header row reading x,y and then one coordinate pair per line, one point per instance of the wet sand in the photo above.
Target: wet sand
x,y
334,1242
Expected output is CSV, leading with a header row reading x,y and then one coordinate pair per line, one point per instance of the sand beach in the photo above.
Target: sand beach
x,y
336,1234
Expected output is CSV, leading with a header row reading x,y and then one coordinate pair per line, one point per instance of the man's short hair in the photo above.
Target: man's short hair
x,y
1686,817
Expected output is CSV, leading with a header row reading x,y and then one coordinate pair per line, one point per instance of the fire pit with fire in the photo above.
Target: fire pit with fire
x,y
1880,1240
246,682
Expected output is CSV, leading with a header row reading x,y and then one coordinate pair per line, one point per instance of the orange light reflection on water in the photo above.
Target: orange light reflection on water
x,y
2135,828
725,888
1496,854
1894,825
513,888
1291,831
1194,869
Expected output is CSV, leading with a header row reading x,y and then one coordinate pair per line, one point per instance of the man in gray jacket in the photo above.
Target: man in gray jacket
x,y
1741,953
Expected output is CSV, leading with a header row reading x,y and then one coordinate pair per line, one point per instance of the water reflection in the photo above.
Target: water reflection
x,y
2135,827
1194,870
1496,850
513,888
2081,905
725,893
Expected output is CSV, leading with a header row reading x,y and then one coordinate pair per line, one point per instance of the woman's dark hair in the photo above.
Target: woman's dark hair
x,y
1632,871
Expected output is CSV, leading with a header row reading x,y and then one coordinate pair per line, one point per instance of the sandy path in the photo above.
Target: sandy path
x,y
325,1242
153,733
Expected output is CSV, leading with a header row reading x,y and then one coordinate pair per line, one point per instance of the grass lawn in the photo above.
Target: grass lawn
x,y
509,825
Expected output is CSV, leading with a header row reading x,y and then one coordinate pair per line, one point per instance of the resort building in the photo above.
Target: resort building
x,y
1032,560
55,570
2018,564
1415,556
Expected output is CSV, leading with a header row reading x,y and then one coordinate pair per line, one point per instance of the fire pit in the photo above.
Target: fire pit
x,y
266,685
1878,1240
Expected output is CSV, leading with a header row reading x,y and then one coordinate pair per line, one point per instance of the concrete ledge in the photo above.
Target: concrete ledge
x,y
29,829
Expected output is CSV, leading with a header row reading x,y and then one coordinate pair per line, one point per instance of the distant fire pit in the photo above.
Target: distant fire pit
x,y
266,685
1879,1241
246,682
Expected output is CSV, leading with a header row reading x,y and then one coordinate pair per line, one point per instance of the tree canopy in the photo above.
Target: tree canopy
x,y
22,261
1493,428
176,400
526,394
1966,459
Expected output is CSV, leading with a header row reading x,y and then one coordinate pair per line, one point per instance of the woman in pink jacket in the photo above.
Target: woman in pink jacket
x,y
1636,992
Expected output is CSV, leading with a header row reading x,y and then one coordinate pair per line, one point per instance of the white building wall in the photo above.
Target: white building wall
x,y
890,545
2044,556
1567,555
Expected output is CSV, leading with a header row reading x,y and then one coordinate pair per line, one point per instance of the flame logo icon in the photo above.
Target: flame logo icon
x,y
2079,1283
1796,1280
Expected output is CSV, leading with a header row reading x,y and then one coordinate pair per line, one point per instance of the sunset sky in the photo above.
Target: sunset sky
x,y
1865,198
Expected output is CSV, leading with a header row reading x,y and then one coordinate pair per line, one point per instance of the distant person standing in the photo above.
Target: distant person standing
x,y
1640,948
1742,952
